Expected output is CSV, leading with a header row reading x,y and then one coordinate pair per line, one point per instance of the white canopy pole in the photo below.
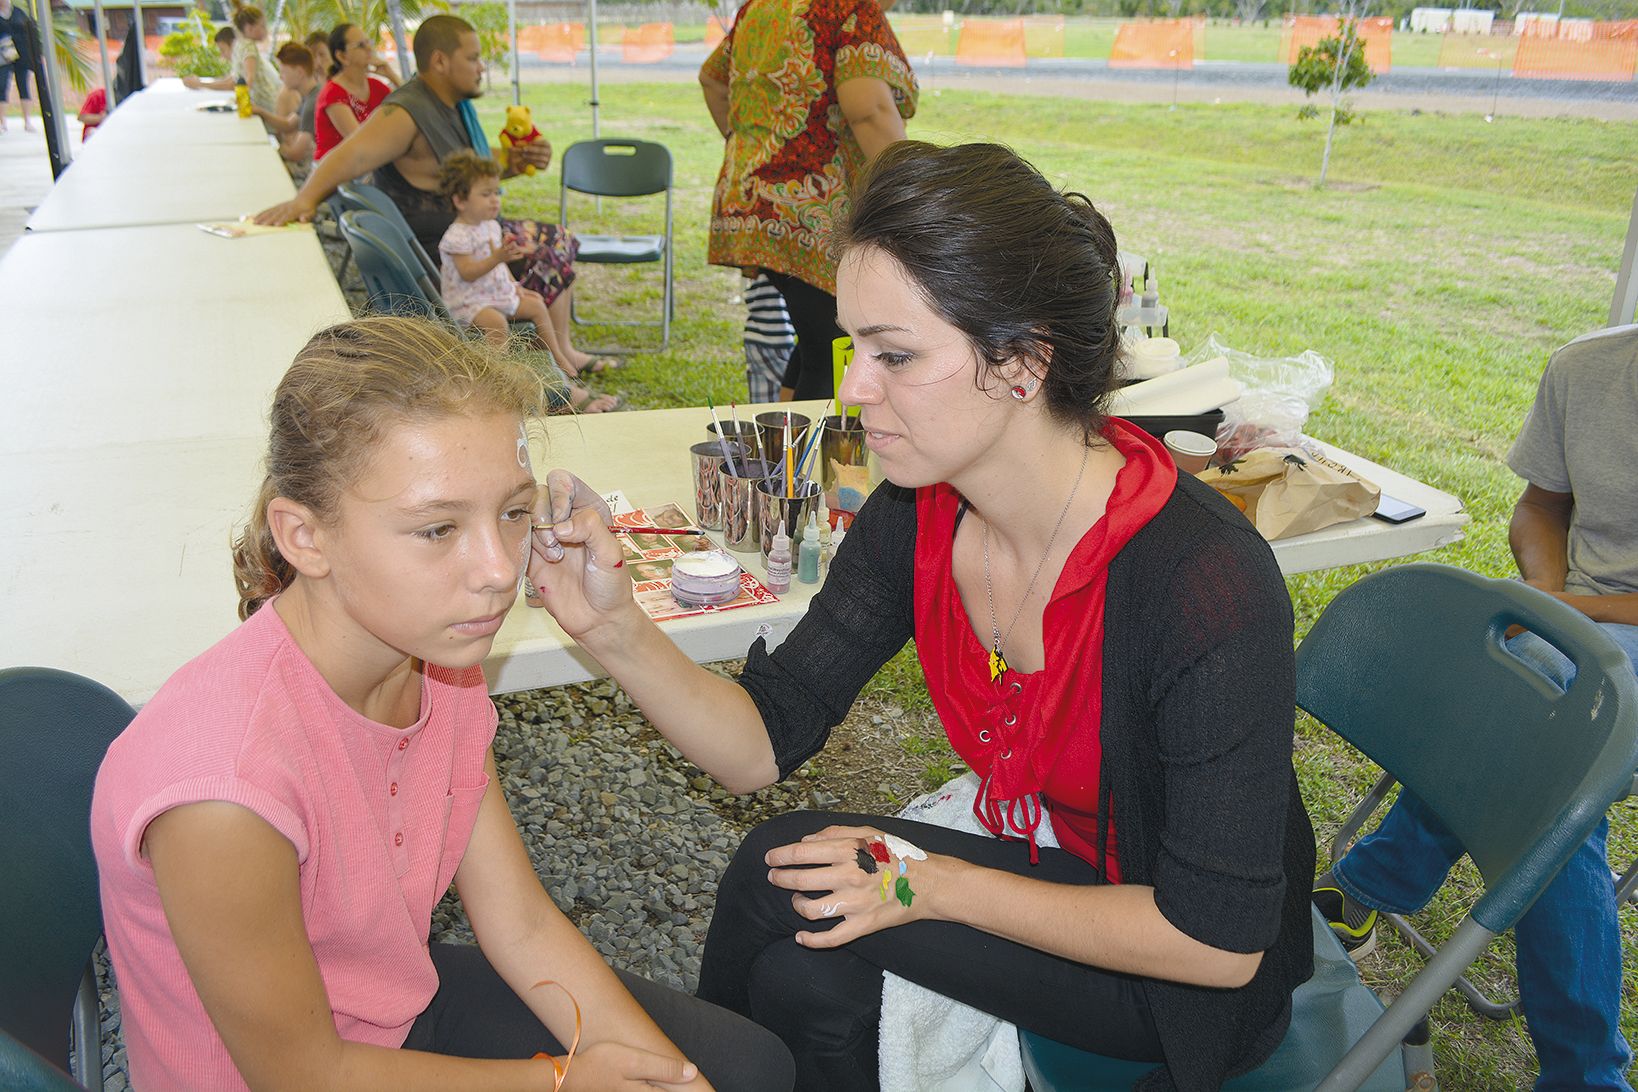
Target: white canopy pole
x,y
512,34
102,44
57,139
142,42
395,15
591,40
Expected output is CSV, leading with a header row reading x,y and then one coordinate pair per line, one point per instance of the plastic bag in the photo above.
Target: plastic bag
x,y
1278,393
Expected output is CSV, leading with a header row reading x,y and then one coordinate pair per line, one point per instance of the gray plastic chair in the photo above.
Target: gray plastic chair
x,y
622,168
22,1070
55,728
363,197
1408,666
392,277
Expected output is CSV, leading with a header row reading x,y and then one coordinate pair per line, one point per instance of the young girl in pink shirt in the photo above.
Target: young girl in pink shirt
x,y
275,827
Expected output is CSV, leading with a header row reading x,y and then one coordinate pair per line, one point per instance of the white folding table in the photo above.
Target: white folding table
x,y
178,334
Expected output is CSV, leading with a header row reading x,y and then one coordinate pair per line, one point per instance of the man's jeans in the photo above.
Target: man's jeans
x,y
1569,942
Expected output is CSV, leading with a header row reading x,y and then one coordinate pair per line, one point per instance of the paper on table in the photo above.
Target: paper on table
x,y
238,229
1199,389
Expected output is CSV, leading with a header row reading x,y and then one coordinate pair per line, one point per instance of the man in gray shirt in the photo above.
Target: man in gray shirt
x,y
1574,535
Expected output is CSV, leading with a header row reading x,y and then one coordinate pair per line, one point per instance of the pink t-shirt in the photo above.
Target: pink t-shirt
x,y
379,816
495,288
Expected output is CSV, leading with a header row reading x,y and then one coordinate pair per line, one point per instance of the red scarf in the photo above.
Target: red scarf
x,y
1035,739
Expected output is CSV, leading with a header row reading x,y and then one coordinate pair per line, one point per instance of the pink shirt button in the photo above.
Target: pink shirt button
x,y
398,839
392,790
402,744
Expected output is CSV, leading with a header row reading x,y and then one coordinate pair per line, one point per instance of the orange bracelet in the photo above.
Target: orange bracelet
x,y
560,1070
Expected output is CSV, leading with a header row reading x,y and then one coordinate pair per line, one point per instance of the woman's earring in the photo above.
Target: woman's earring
x,y
1019,392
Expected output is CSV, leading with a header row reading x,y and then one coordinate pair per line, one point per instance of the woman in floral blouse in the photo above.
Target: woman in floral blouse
x,y
806,92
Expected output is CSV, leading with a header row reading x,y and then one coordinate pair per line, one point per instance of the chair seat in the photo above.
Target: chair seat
x,y
621,248
1329,1013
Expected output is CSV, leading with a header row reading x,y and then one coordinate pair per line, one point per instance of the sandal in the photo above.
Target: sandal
x,y
597,365
581,400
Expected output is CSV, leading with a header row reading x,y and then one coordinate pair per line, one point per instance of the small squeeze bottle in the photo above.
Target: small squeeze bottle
x,y
241,97
807,554
779,563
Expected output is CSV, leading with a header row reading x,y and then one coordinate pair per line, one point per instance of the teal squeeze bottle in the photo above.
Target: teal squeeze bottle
x,y
807,555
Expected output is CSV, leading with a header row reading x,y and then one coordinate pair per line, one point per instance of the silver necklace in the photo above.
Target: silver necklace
x,y
998,662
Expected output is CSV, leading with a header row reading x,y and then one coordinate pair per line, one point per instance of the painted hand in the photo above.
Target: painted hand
x,y
852,883
575,564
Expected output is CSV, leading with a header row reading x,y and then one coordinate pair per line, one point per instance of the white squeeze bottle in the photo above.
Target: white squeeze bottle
x,y
779,562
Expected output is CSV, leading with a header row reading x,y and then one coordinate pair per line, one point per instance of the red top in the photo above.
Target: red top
x,y
1035,738
95,103
325,134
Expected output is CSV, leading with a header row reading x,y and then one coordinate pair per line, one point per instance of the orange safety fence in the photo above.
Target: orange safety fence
x,y
714,32
647,44
997,42
1160,43
1476,51
1609,51
558,42
920,35
1044,35
1309,30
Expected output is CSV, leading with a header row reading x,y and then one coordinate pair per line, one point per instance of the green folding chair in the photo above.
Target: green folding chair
x,y
1408,665
55,728
622,168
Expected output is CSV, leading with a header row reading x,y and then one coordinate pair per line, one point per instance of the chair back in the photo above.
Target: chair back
x,y
391,277
1409,665
617,168
55,728
22,1070
363,197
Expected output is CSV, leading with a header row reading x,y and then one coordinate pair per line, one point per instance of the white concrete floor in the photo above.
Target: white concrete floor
x,y
25,176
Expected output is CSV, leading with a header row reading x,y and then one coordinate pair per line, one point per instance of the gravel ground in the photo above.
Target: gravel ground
x,y
628,836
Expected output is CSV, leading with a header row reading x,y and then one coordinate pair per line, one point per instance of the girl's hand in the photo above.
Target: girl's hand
x,y
615,1067
575,564
850,895
513,251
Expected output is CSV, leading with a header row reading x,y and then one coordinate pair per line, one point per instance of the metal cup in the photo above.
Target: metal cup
x,y
771,428
707,457
743,431
843,441
773,507
735,485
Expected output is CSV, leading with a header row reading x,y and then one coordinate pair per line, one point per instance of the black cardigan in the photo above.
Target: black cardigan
x,y
1198,700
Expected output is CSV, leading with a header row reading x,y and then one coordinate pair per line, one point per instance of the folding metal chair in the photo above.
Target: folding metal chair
x,y
622,168
1408,666
363,197
393,278
55,728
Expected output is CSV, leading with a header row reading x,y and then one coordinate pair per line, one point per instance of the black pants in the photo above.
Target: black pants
x,y
826,1005
475,1014
811,372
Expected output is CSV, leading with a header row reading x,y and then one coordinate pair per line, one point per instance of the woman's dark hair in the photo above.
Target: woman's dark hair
x,y
1024,271
338,46
246,16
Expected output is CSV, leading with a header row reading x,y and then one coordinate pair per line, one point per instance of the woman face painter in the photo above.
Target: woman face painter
x,y
1108,646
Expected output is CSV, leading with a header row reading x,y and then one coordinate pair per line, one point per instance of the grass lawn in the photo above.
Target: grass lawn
x,y
1440,269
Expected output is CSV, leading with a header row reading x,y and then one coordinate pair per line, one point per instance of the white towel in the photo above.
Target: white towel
x,y
930,1043
1199,388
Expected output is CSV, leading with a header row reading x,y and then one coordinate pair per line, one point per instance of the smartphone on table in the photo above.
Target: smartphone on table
x,y
1393,510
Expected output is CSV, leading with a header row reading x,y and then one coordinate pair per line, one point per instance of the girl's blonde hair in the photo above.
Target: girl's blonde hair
x,y
347,387
246,16
461,169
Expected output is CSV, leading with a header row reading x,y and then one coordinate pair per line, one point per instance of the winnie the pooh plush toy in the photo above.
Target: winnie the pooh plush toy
x,y
520,130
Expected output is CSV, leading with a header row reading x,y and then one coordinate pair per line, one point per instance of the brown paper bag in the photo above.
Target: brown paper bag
x,y
1286,492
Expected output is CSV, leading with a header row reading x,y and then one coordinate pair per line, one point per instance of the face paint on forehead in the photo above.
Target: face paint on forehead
x,y
523,449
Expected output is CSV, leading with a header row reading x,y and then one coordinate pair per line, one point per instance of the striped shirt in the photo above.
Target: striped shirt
x,y
767,322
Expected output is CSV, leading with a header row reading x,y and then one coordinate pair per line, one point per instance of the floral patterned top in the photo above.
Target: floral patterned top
x,y
790,156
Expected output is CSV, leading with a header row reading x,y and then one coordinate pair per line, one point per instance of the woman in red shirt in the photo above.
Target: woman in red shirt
x,y
353,92
1107,643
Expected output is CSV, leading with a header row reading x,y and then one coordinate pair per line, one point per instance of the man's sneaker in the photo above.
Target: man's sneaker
x,y
1354,923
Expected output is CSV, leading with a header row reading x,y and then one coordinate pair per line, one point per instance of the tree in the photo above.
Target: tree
x,y
1335,64
489,19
